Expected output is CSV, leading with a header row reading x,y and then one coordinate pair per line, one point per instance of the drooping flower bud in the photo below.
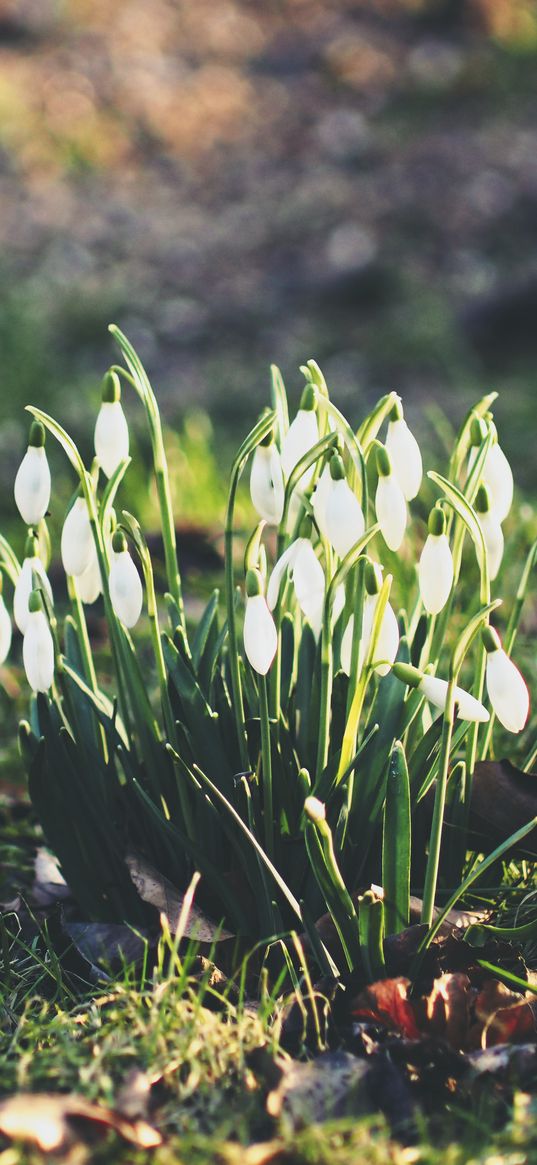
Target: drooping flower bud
x,y
307,576
506,687
319,499
111,429
435,570
90,583
38,646
260,634
77,544
436,690
32,483
301,436
492,531
315,809
24,585
390,503
405,453
387,644
343,515
496,473
5,626
267,488
126,591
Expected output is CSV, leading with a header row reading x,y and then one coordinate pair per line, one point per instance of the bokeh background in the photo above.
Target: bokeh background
x,y
236,183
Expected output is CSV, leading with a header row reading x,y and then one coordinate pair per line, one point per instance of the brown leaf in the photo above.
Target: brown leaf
x,y
505,1016
387,1002
54,1122
331,1086
503,800
154,888
448,1009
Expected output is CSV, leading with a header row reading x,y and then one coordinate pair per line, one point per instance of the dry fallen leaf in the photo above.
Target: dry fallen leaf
x,y
154,888
55,1122
504,799
331,1086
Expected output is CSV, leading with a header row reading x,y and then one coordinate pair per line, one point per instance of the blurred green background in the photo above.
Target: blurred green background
x,y
238,183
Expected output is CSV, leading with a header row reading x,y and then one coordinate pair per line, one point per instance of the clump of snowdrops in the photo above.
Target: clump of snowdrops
x,y
297,737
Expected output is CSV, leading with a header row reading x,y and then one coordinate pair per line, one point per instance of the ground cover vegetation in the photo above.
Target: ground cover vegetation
x,y
300,795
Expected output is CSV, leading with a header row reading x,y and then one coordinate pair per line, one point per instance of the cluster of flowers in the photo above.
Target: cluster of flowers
x,y
78,549
335,516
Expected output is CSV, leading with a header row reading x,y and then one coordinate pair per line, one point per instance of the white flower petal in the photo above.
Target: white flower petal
x,y
77,543
90,583
301,436
319,499
38,652
111,436
5,631
24,587
266,484
284,563
405,456
494,541
344,518
507,691
338,603
387,642
32,485
391,510
467,707
260,635
126,591
435,573
308,576
498,477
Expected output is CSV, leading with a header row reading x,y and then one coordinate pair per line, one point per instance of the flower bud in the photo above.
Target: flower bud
x,y
390,503
32,483
405,454
506,687
307,576
77,544
301,436
435,570
126,591
90,583
111,429
24,585
38,646
315,809
343,515
267,488
260,634
492,531
436,690
387,644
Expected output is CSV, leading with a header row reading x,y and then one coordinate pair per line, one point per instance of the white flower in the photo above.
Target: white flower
x,y
111,429
90,583
267,488
319,499
435,570
77,543
301,436
390,504
32,483
24,587
38,647
5,631
405,455
497,475
506,687
260,635
343,517
387,640
126,591
492,531
307,576
466,705
315,809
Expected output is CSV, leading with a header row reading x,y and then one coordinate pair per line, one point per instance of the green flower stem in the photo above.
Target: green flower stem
x,y
142,385
350,735
463,439
266,768
83,637
256,435
435,839
320,847
369,428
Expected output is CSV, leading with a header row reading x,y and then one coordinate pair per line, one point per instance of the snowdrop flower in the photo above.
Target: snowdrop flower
x,y
492,531
38,646
405,453
435,691
5,627
301,436
343,517
260,634
24,586
506,687
390,503
89,583
126,591
77,543
306,574
435,570
32,483
267,488
111,430
319,499
315,809
496,474
387,643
